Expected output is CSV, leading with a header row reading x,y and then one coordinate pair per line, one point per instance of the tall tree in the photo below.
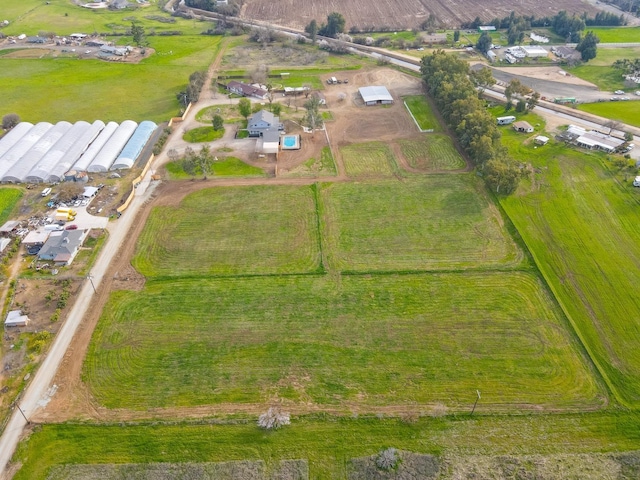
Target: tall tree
x,y
335,25
482,78
588,46
218,122
484,42
313,118
456,36
312,30
139,36
244,107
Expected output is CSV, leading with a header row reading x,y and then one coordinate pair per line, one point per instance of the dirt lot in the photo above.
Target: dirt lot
x,y
401,14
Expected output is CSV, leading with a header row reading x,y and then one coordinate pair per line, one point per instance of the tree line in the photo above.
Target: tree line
x,y
451,85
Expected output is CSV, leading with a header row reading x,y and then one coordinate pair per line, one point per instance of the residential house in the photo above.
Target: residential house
x,y
263,121
62,247
240,88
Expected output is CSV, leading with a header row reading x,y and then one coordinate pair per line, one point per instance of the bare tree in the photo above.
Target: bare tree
x,y
10,120
260,74
273,419
173,154
387,459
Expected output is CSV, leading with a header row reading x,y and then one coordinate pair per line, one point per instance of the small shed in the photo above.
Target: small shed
x,y
9,226
523,127
15,318
541,140
90,192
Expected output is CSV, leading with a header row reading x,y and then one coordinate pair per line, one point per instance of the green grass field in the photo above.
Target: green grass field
x,y
369,340
616,34
8,199
373,159
440,222
422,112
202,134
93,89
314,167
208,234
581,223
626,112
606,56
328,443
435,152
224,167
605,77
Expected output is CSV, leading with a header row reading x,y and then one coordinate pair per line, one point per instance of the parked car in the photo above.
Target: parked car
x,y
619,92
636,181
73,226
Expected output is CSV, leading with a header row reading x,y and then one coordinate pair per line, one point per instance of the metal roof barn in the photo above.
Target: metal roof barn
x,y
21,169
135,145
376,94
56,174
113,147
40,170
90,153
14,154
14,135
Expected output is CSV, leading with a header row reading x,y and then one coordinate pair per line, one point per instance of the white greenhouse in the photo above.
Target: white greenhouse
x,y
112,149
14,154
11,138
71,155
134,146
21,169
90,153
40,171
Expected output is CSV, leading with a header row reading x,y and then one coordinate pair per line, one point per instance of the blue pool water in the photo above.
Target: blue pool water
x,y
289,141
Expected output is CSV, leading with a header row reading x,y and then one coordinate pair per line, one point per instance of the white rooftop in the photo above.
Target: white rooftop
x,y
375,93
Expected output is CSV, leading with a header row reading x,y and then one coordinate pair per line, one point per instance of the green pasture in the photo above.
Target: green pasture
x,y
240,230
616,34
368,340
607,55
8,199
229,113
435,223
625,112
314,167
422,112
329,442
223,167
64,18
372,159
72,89
606,78
434,152
202,134
580,221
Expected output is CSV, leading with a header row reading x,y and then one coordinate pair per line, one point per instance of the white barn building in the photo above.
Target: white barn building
x,y
375,95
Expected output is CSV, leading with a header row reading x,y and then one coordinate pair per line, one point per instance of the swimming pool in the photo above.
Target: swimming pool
x,y
291,142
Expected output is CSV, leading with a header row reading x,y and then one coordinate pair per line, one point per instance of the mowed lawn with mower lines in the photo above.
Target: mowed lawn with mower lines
x,y
247,304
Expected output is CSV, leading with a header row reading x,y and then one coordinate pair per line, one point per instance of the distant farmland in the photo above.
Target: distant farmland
x,y
402,14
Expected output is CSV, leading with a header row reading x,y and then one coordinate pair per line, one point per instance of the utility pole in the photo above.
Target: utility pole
x,y
476,402
90,277
25,417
